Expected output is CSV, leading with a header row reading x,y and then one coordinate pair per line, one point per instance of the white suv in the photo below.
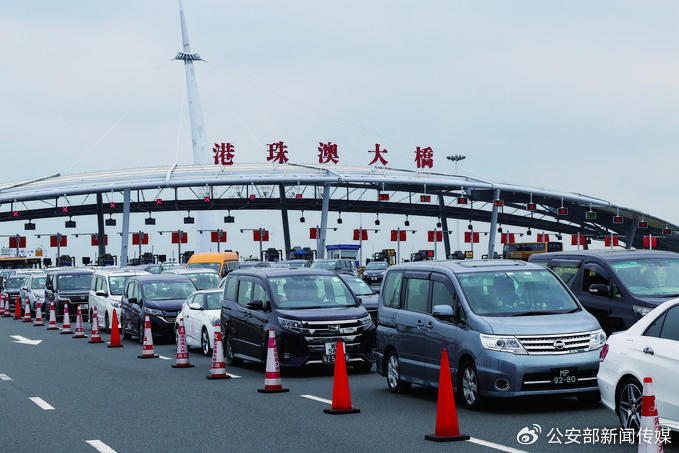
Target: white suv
x,y
107,291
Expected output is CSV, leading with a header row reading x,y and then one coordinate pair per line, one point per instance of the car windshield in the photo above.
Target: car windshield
x,y
212,266
117,284
14,282
358,286
516,293
214,301
649,276
38,283
74,282
376,266
168,290
327,265
232,265
205,280
311,291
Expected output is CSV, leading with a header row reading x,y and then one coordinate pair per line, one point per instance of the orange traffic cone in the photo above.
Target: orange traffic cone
x,y
66,324
272,378
38,314
27,312
341,399
218,368
447,429
147,347
649,425
114,342
17,309
79,329
182,350
53,318
94,322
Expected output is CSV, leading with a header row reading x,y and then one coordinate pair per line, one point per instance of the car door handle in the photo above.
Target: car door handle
x,y
419,324
648,350
429,325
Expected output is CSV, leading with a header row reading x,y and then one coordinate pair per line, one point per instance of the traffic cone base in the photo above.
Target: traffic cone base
x,y
182,365
218,376
436,438
272,376
114,342
342,411
447,427
150,356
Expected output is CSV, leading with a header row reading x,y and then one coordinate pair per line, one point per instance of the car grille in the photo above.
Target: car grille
x,y
78,299
167,319
555,344
331,328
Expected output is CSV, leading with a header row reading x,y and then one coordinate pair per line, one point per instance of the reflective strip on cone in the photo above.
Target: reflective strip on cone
x,y
182,360
53,318
66,324
649,425
38,314
147,348
218,367
27,312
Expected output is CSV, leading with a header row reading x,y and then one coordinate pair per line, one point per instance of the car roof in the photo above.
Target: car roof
x,y
605,254
465,266
120,272
272,272
71,271
209,291
196,270
164,277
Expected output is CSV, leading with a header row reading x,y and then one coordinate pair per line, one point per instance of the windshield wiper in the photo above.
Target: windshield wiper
x,y
537,313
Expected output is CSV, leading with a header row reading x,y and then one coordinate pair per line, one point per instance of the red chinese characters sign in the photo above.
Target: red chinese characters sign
x,y
612,240
424,157
469,236
327,153
578,239
507,238
278,153
378,155
314,233
543,237
650,242
223,153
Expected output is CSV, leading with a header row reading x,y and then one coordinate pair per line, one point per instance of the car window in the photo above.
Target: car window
x,y
670,328
230,291
566,271
417,292
38,283
74,282
392,290
204,280
259,293
244,292
213,301
653,330
593,276
441,295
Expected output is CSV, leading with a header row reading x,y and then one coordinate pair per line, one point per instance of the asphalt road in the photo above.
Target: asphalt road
x,y
131,405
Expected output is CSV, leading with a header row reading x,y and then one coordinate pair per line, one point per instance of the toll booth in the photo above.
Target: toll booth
x,y
422,255
457,255
301,253
47,262
186,256
147,258
272,255
338,251
161,258
66,260
86,260
388,255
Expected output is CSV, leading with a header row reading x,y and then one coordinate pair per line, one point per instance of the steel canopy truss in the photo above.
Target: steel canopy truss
x,y
350,189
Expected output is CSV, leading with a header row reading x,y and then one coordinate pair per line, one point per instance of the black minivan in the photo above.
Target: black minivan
x,y
309,310
158,295
69,286
617,286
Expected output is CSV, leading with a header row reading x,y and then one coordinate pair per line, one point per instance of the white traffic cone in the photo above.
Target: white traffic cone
x,y
38,314
2,305
147,347
79,329
649,425
182,350
27,311
272,378
96,333
66,324
53,318
218,368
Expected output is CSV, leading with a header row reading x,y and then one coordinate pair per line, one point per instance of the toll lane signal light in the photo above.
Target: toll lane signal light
x,y
532,206
563,210
618,219
425,198
643,224
383,197
462,200
498,203
590,215
666,231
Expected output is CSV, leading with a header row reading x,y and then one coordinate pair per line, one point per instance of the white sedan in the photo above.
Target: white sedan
x,y
647,349
200,312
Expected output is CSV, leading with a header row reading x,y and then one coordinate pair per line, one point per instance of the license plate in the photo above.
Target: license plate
x,y
329,356
564,376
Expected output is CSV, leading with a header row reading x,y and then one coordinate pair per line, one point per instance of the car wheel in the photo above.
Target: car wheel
x,y
363,367
468,385
589,397
394,382
205,342
628,400
229,357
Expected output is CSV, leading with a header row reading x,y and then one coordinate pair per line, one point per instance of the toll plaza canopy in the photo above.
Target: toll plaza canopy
x,y
378,190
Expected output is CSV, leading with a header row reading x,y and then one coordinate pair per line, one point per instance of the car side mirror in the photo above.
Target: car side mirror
x,y
132,300
195,306
101,293
24,288
255,305
444,312
599,289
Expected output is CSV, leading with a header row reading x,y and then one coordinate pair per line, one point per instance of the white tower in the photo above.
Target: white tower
x,y
201,155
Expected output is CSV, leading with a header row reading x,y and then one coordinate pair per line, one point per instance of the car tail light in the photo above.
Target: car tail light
x,y
603,353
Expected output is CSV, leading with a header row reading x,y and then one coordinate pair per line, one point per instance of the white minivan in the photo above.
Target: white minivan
x,y
106,292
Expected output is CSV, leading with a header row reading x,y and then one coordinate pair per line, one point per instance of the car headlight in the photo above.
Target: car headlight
x,y
366,321
597,339
641,310
153,311
502,344
291,324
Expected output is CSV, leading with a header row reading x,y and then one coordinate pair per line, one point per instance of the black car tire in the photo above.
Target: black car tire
x,y
362,367
393,374
468,386
628,399
205,342
229,358
589,397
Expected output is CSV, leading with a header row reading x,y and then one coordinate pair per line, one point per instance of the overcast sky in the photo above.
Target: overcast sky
x,y
574,96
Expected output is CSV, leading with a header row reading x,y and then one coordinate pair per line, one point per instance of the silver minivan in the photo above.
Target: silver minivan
x,y
510,328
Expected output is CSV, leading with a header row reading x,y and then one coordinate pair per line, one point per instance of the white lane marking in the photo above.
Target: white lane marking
x,y
316,398
100,446
44,405
485,443
23,340
233,375
4,377
164,358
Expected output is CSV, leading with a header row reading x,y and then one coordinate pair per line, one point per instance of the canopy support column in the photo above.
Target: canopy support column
x,y
126,229
324,221
493,226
